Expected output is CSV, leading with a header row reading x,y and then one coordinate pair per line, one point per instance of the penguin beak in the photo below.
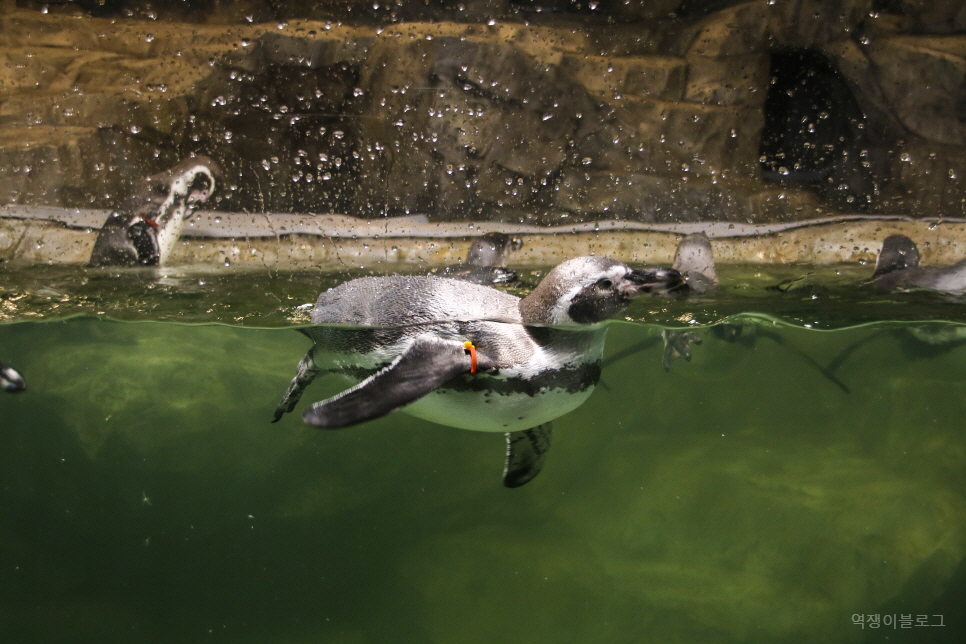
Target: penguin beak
x,y
653,280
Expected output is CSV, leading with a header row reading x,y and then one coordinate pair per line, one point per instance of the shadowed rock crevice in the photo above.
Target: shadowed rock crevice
x,y
815,131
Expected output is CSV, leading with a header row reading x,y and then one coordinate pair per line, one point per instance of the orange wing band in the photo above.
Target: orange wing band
x,y
472,350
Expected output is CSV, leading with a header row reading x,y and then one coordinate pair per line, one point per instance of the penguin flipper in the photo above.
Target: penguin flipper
x,y
426,365
307,370
845,353
122,242
828,372
526,452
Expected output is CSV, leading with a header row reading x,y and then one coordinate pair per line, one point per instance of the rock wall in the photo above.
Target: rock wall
x,y
534,112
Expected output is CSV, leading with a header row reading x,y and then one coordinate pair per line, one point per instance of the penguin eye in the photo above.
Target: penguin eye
x,y
605,283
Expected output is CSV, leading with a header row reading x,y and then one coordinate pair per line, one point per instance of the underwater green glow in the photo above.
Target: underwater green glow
x,y
780,482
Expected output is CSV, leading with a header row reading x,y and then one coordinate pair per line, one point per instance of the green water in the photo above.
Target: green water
x,y
743,496
821,298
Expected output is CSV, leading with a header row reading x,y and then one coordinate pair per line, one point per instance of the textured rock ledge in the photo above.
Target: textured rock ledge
x,y
519,117
35,235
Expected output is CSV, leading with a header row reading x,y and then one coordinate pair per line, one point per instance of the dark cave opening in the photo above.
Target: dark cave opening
x,y
815,133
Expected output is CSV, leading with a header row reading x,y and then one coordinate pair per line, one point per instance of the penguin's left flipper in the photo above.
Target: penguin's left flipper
x,y
525,453
426,365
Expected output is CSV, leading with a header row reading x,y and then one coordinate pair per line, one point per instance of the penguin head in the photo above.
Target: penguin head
x,y
694,256
177,191
159,207
172,194
587,290
492,249
898,253
10,379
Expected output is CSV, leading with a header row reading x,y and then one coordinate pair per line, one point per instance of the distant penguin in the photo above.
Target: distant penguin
x,y
694,259
486,260
469,356
897,268
144,228
10,379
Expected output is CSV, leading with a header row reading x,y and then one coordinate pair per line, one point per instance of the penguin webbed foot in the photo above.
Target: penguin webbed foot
x,y
427,364
307,371
678,344
526,452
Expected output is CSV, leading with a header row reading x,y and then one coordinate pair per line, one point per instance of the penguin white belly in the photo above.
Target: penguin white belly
x,y
548,385
488,411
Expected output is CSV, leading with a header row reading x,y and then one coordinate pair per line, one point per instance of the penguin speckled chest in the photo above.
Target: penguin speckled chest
x,y
144,228
469,356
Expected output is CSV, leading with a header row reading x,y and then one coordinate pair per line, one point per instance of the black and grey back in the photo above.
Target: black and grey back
x,y
897,268
402,306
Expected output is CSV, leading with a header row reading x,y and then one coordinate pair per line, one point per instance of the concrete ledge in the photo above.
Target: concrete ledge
x,y
44,235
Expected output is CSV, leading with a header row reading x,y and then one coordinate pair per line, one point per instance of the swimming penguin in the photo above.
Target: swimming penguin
x,y
897,268
486,260
469,356
10,379
143,230
694,259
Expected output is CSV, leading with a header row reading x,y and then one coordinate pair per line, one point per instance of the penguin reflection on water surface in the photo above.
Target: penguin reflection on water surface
x,y
144,228
694,260
469,356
